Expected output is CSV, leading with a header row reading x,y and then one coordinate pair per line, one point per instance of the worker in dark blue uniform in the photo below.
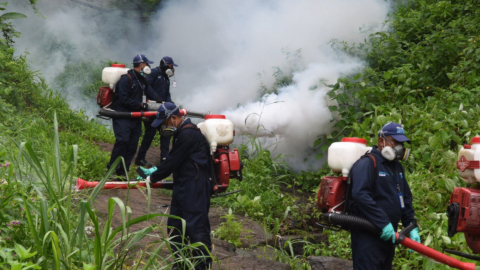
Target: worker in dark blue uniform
x,y
129,93
159,80
189,162
380,193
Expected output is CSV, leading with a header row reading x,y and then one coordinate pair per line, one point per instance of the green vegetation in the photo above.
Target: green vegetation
x,y
423,72
230,230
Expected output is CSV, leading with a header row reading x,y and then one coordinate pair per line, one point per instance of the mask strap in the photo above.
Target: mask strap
x,y
168,112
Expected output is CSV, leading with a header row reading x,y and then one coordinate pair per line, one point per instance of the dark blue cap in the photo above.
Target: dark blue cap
x,y
141,59
395,130
165,111
169,61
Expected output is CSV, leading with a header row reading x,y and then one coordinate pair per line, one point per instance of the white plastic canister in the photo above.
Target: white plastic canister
x,y
111,75
217,129
342,155
468,161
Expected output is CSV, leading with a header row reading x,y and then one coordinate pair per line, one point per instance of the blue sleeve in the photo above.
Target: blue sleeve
x,y
124,93
169,97
408,215
181,150
363,179
152,77
150,93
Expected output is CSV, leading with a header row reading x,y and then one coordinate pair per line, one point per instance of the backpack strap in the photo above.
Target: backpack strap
x,y
131,80
211,174
348,190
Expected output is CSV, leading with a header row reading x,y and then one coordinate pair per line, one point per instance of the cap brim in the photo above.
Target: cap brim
x,y
157,122
400,138
150,62
175,65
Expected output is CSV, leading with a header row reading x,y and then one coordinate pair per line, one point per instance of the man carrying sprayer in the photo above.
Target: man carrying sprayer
x,y
380,193
189,162
130,96
159,80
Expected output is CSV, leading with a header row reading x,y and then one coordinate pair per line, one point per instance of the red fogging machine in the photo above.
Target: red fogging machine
x,y
332,195
218,132
464,209
110,76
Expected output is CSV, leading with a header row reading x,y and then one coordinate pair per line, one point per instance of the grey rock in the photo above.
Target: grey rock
x,y
224,244
329,263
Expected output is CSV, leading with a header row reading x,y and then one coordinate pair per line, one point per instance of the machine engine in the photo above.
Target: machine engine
x,y
341,157
464,209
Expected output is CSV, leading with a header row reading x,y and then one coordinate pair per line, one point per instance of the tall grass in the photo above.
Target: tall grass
x,y
55,221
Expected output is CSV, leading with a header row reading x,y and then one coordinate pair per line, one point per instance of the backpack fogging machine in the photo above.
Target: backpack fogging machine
x,y
333,194
225,162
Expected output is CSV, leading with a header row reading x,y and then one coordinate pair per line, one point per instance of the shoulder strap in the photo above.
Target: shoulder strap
x,y
211,170
131,80
348,190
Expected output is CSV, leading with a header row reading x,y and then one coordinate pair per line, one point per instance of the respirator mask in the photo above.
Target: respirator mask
x,y
394,153
167,131
169,71
146,70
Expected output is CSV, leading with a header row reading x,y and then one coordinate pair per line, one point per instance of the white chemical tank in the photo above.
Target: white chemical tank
x,y
111,75
342,155
218,130
468,161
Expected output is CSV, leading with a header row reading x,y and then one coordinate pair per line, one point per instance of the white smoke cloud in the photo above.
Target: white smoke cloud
x,y
225,51
221,46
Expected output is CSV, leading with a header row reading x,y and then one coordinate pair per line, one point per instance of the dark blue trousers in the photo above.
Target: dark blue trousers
x,y
369,252
148,139
127,133
197,229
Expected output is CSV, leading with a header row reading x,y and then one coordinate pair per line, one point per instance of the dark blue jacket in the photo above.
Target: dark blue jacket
x,y
129,92
160,84
376,197
188,161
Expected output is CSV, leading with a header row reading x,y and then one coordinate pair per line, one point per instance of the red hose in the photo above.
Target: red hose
x,y
436,255
82,184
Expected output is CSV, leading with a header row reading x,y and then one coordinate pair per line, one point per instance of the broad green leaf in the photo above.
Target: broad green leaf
x,y
387,75
428,240
446,240
12,15
437,125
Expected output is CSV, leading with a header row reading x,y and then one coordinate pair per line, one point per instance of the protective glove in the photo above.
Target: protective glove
x,y
148,172
147,180
159,100
388,232
414,235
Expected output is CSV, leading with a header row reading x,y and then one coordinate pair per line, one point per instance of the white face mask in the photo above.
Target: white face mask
x,y
396,153
147,70
169,72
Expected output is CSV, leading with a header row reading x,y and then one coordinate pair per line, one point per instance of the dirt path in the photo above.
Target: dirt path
x,y
152,156
257,256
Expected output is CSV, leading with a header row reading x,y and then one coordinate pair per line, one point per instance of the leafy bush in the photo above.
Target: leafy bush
x,y
422,73
230,229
